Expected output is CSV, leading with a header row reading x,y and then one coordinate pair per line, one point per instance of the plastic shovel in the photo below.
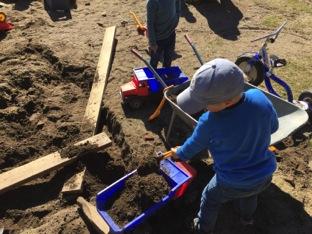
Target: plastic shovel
x,y
163,155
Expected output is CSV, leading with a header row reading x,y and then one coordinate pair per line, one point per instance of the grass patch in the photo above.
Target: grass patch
x,y
271,21
290,6
297,74
298,13
302,24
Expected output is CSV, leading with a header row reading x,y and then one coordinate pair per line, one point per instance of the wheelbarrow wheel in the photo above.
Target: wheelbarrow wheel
x,y
306,96
254,71
135,102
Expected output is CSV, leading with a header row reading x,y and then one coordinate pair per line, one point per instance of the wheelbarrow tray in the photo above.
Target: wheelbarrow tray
x,y
290,116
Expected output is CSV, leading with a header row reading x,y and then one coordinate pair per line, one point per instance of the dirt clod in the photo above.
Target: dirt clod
x,y
77,150
148,164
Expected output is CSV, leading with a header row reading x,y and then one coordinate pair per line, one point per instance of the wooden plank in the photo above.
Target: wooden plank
x,y
74,184
20,175
100,78
93,216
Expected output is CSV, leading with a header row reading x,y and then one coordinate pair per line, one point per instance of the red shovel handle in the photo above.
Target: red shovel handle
x,y
189,40
201,61
137,53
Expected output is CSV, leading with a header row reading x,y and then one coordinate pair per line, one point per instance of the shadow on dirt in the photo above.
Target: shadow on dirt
x,y
37,193
223,19
3,35
187,14
19,5
276,210
159,125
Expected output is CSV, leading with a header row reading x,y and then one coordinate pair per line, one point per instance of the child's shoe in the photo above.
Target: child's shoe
x,y
197,229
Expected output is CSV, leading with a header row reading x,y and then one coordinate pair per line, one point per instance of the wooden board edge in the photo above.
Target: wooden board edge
x,y
106,143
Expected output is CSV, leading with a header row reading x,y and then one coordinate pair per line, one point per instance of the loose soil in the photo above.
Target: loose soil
x,y
46,72
77,150
148,164
139,194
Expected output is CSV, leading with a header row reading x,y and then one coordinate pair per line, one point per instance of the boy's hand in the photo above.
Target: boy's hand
x,y
174,153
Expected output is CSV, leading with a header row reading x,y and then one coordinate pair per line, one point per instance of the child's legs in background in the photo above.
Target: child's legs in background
x,y
169,50
156,56
166,49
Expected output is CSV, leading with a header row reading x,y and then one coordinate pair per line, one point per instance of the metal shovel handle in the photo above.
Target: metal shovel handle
x,y
189,40
136,53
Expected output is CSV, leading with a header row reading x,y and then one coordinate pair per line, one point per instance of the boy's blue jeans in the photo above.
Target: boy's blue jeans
x,y
165,48
215,194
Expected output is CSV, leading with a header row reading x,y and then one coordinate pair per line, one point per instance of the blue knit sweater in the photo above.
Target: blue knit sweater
x,y
238,139
162,18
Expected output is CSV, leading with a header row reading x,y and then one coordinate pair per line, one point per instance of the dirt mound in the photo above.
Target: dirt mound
x,y
138,195
148,164
36,89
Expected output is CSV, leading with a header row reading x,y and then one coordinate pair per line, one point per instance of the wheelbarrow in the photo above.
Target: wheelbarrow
x,y
290,116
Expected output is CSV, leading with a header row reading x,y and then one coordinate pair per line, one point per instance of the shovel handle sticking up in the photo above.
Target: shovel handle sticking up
x,y
140,27
136,19
161,81
189,40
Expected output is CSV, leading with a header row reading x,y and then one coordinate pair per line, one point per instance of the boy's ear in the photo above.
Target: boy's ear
x,y
228,102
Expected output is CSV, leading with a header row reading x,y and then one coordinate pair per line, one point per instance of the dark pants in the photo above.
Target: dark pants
x,y
165,48
215,194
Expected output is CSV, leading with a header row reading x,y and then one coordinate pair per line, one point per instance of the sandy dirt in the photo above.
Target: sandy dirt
x,y
46,72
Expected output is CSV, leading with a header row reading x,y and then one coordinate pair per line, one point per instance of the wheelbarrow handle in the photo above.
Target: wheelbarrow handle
x,y
136,53
189,40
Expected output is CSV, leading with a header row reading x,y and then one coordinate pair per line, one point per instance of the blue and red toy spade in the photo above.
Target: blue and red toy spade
x,y
4,25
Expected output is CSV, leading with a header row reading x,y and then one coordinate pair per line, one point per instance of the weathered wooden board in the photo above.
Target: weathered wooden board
x,y
100,78
20,175
74,184
93,216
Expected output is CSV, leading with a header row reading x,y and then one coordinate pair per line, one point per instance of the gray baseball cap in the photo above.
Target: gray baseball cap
x,y
214,82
